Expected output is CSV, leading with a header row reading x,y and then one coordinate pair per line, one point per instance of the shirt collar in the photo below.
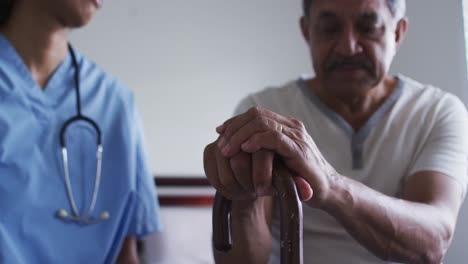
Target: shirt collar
x,y
59,83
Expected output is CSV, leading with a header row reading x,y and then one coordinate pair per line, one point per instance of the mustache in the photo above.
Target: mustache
x,y
357,61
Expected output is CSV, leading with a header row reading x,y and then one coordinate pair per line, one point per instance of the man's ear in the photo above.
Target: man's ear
x,y
304,23
400,31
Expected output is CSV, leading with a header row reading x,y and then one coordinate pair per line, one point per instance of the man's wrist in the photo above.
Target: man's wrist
x,y
335,192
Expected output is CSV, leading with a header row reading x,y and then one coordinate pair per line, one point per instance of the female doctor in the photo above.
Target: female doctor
x,y
75,186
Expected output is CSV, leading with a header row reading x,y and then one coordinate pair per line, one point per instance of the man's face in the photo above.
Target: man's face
x,y
352,43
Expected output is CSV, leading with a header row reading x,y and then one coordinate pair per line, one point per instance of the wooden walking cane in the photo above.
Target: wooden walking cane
x,y
290,213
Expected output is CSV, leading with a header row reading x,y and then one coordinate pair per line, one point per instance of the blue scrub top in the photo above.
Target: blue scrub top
x,y
32,186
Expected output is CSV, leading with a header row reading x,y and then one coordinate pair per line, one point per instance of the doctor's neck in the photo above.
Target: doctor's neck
x,y
40,41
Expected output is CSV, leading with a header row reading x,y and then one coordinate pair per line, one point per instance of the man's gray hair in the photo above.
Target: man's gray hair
x,y
397,8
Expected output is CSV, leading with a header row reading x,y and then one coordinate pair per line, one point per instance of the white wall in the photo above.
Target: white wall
x,y
189,62
434,50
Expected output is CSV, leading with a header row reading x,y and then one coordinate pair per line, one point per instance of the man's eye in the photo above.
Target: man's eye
x,y
368,29
329,29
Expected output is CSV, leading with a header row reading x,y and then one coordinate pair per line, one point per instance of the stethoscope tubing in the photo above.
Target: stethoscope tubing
x,y
77,217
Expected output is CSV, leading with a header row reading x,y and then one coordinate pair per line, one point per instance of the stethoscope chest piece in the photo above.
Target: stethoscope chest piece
x,y
63,214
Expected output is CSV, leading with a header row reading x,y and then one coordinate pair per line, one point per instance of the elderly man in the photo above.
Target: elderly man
x,y
380,161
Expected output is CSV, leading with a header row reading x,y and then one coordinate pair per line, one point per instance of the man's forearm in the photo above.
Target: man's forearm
x,y
393,229
251,235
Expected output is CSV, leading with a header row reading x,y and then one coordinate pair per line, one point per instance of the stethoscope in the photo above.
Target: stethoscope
x,y
62,213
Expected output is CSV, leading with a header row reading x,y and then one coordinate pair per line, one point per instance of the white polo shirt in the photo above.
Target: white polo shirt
x,y
418,128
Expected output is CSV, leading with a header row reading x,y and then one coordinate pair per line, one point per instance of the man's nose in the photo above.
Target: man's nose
x,y
348,43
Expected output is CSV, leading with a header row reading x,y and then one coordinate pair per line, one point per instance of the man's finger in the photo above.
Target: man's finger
x,y
262,166
257,125
231,126
229,185
210,165
275,141
303,188
241,165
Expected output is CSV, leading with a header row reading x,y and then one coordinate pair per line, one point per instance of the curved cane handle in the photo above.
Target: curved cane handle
x,y
290,213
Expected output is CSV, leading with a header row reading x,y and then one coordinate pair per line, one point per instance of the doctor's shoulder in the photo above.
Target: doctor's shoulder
x,y
105,87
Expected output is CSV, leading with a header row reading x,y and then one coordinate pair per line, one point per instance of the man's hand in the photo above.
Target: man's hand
x,y
259,130
250,214
240,176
